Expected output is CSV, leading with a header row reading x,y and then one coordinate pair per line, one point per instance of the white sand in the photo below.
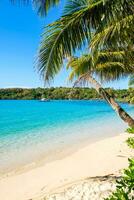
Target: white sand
x,y
104,157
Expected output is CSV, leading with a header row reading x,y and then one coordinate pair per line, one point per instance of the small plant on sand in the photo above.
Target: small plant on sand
x,y
125,186
130,142
130,130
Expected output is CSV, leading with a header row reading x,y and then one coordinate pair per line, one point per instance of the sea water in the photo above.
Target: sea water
x,y
31,130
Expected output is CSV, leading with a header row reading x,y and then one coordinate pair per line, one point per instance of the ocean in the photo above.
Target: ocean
x,y
31,130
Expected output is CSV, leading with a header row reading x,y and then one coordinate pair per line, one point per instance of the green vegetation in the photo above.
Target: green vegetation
x,y
125,186
130,142
106,64
41,6
99,24
130,130
63,93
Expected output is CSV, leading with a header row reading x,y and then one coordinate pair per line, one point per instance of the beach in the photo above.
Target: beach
x,y
67,100
105,157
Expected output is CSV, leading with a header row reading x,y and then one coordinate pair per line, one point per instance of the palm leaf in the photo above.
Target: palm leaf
x,y
107,65
79,66
42,6
74,29
118,33
59,40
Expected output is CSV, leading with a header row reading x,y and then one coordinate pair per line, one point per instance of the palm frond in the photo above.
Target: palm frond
x,y
107,66
113,65
74,29
118,33
110,71
42,6
100,12
59,40
65,36
79,66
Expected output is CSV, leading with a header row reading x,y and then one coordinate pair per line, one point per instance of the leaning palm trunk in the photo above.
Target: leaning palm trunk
x,y
119,110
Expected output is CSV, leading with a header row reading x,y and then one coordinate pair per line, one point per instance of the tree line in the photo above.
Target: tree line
x,y
125,95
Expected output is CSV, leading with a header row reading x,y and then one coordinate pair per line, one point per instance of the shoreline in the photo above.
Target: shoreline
x,y
51,156
90,99
54,155
103,157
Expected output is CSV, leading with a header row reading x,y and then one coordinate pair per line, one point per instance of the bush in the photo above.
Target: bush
x,y
125,186
130,142
130,130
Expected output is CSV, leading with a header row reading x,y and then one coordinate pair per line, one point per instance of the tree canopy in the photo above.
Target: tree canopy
x,y
98,24
64,93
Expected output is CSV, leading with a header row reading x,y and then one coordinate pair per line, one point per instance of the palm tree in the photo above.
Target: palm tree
x,y
108,65
81,22
74,29
110,22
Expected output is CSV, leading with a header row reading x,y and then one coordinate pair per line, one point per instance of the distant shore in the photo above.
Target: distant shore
x,y
104,157
64,93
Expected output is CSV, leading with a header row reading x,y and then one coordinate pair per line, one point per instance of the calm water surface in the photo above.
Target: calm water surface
x,y
31,129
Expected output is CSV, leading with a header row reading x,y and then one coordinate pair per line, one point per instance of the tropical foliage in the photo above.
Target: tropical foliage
x,y
42,6
125,186
107,65
130,142
64,93
101,23
130,130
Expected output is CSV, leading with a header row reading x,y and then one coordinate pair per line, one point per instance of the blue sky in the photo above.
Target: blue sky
x,y
20,30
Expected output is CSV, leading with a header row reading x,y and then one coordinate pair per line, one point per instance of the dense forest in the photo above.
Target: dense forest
x,y
125,95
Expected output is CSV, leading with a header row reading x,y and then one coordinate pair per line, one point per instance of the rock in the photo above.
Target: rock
x,y
86,190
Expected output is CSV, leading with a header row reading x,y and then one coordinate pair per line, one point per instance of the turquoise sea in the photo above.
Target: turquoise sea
x,y
30,130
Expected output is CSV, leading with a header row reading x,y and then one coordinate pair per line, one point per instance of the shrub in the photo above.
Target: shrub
x,y
130,130
125,186
130,142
